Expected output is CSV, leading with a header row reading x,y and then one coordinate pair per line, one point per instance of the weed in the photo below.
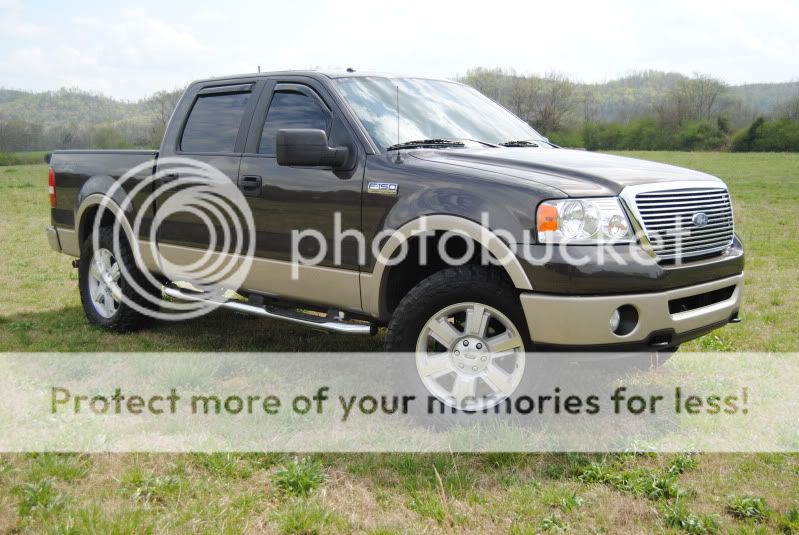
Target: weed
x,y
552,523
749,507
564,499
151,488
66,467
595,473
678,516
789,522
653,485
428,504
680,464
306,518
40,496
658,487
299,477
225,465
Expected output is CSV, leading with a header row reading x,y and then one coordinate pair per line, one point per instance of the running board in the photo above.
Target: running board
x,y
308,320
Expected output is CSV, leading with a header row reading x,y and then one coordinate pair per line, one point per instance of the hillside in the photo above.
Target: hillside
x,y
73,118
617,100
66,106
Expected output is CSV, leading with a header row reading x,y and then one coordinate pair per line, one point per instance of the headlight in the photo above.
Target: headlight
x,y
588,221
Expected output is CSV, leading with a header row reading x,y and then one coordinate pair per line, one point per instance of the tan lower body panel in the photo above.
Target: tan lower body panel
x,y
63,241
338,288
555,319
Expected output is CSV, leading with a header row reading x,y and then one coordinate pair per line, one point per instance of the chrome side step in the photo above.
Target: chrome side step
x,y
308,320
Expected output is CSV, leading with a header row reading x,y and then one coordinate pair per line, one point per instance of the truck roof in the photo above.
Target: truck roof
x,y
318,74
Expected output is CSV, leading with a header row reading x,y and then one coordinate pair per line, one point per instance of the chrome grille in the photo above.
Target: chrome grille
x,y
668,220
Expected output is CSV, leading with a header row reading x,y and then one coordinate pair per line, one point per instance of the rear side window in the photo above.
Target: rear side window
x,y
291,109
214,122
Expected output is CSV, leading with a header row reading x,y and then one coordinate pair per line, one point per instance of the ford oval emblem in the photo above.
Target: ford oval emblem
x,y
700,219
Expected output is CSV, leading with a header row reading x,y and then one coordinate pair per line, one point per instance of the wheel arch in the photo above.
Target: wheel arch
x,y
94,205
374,286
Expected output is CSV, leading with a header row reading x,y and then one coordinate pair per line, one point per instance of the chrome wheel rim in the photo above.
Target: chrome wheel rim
x,y
104,289
470,356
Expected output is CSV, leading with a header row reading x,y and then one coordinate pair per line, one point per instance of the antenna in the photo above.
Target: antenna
x,y
259,68
399,156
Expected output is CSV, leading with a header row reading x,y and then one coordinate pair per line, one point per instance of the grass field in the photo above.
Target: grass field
x,y
397,493
22,158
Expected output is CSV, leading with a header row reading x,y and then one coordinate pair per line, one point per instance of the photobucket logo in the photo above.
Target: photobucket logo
x,y
483,244
181,188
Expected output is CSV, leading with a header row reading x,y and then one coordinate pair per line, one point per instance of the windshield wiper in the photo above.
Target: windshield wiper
x,y
519,143
426,144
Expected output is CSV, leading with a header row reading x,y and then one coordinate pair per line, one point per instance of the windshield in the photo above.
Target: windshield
x,y
430,109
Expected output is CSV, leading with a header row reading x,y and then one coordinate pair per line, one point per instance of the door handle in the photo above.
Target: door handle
x,y
250,185
168,177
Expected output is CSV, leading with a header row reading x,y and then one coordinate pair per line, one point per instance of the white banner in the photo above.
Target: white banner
x,y
304,402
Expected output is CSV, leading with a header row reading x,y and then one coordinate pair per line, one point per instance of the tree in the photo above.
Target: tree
x,y
695,99
108,137
745,139
523,96
553,102
487,81
790,108
161,105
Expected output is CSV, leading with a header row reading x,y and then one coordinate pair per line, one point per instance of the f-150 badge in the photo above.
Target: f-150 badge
x,y
383,188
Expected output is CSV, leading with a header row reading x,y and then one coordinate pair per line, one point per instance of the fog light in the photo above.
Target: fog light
x,y
623,320
615,318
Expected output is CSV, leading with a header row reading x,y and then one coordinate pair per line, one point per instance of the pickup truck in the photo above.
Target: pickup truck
x,y
557,249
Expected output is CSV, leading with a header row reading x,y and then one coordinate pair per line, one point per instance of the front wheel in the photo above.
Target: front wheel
x,y
467,331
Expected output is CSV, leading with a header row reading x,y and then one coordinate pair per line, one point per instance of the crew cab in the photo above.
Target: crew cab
x,y
586,251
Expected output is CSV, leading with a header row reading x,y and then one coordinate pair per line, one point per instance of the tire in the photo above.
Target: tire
x,y
102,306
457,295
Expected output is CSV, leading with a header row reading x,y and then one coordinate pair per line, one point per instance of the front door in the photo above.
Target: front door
x,y
288,200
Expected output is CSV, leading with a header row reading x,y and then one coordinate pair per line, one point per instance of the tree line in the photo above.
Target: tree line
x,y
126,125
649,110
694,113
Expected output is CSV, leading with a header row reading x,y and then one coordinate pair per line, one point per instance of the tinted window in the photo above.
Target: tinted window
x,y
290,109
214,123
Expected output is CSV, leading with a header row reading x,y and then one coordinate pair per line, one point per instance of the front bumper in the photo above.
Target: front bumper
x,y
583,321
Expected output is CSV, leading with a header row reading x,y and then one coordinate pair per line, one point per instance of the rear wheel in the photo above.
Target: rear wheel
x,y
468,333
106,292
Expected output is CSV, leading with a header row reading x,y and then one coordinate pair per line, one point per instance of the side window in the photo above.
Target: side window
x,y
291,109
214,122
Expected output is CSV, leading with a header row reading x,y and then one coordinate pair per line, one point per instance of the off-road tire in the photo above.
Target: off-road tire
x,y
126,318
446,288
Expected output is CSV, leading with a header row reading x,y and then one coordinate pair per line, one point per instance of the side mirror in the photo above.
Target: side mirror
x,y
308,147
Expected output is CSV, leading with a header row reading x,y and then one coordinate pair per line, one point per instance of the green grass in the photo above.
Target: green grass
x,y
22,158
299,477
393,493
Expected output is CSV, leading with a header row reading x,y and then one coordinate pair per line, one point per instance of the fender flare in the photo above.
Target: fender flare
x,y
373,284
141,248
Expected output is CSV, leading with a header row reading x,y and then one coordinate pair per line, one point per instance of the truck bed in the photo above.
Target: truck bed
x,y
80,173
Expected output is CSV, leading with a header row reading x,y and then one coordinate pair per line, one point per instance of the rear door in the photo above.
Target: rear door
x,y
216,118
286,199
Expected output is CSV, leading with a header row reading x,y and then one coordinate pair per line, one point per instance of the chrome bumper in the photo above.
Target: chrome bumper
x,y
584,321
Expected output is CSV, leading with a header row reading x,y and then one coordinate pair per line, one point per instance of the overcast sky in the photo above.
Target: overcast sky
x,y
129,52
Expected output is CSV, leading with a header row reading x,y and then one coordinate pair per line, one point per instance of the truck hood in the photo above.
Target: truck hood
x,y
574,172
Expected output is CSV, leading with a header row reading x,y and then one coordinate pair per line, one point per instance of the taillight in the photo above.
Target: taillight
x,y
51,187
